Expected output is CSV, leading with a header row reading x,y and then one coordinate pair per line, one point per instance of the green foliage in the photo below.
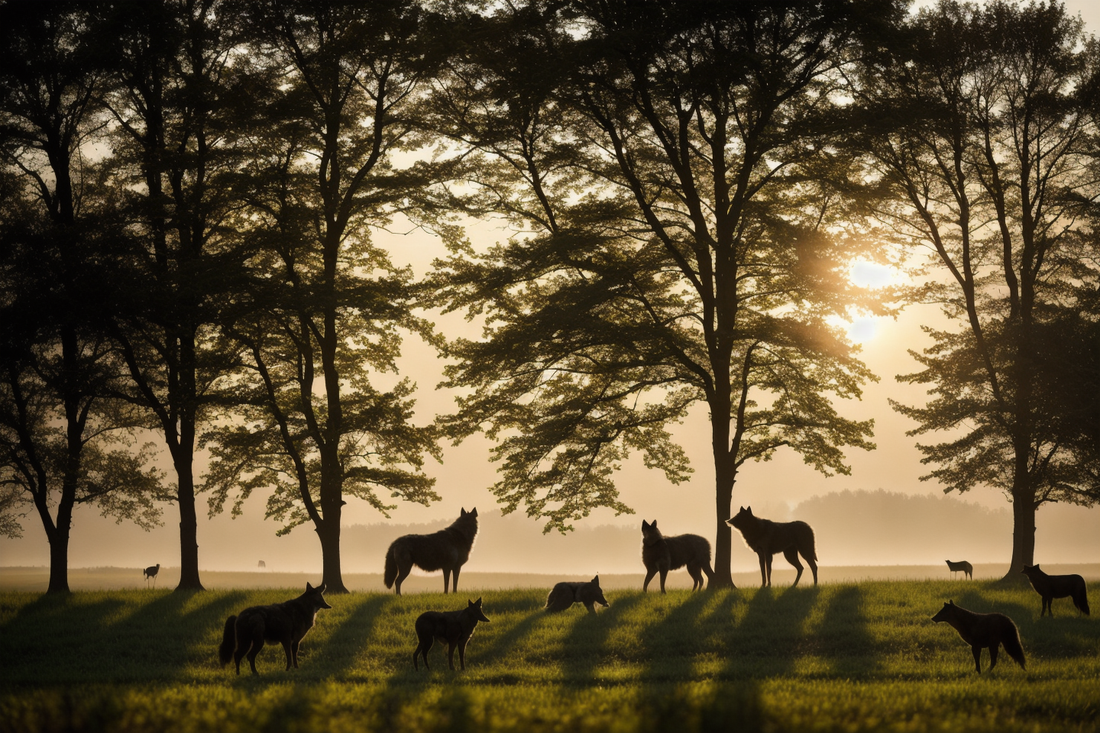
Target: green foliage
x,y
833,657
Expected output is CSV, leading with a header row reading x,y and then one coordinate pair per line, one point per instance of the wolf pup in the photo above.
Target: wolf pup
x,y
286,623
1057,586
564,595
661,554
446,550
453,628
961,566
984,630
766,538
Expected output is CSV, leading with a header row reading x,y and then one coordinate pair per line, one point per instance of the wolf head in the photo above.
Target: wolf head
x,y
650,533
1032,571
743,520
591,592
315,598
474,608
946,613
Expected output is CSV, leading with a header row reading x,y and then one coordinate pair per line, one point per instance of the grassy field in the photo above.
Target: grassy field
x,y
843,657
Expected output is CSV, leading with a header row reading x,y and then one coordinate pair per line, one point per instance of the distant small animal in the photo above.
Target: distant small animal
x,y
981,630
766,538
565,594
446,550
453,628
661,554
286,623
151,572
1057,586
261,564
961,566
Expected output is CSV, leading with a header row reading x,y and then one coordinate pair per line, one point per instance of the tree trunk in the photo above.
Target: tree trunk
x,y
59,561
1023,530
725,473
329,534
189,531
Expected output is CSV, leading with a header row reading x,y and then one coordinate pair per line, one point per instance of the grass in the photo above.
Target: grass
x,y
838,657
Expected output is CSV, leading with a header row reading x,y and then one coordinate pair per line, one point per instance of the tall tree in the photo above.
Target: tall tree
x,y
171,102
327,308
980,140
56,425
670,161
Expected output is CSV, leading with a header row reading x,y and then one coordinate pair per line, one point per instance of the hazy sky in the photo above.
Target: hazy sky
x,y
466,472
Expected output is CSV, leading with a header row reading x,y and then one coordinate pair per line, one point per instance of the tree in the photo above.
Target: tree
x,y
980,145
326,308
171,82
56,423
671,161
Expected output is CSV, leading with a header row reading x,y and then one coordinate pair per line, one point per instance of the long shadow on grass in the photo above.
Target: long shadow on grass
x,y
770,635
843,638
585,647
54,638
352,637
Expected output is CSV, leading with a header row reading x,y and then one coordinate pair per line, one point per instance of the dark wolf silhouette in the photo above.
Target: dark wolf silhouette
x,y
453,628
1057,586
151,572
446,550
563,595
661,554
766,538
963,566
286,623
981,630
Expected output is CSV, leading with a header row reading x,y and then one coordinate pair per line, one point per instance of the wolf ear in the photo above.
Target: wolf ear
x,y
596,580
645,524
308,587
320,588
653,523
473,512
473,603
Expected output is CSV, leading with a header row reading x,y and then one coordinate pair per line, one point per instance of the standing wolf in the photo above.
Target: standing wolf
x,y
961,566
661,554
766,538
446,550
1057,586
453,628
286,623
563,595
981,630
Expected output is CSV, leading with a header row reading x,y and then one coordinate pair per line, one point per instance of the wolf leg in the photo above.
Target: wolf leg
x,y
446,578
462,653
451,654
696,577
257,645
289,651
977,650
664,574
813,565
294,644
454,583
792,558
993,649
423,648
649,573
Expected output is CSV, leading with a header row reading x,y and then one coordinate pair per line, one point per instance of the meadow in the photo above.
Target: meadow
x,y
836,657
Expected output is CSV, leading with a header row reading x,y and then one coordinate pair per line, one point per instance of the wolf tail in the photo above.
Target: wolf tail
x,y
229,639
1012,645
1081,599
391,568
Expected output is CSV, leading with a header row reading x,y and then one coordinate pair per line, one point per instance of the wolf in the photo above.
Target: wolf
x,y
1057,586
563,595
765,538
961,565
286,623
984,630
453,628
151,572
446,550
661,554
